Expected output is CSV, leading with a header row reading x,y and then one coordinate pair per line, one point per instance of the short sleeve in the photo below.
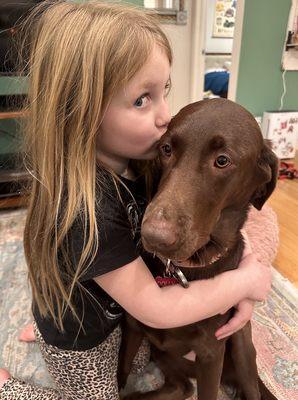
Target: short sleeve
x,y
116,243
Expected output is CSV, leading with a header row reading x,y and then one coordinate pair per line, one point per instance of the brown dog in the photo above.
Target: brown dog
x,y
214,164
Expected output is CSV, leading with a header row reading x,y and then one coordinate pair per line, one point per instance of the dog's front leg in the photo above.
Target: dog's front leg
x,y
209,363
176,384
243,354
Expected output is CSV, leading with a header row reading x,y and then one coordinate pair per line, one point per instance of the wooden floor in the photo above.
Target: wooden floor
x,y
284,202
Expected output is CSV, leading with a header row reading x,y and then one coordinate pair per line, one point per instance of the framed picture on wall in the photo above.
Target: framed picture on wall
x,y
290,53
224,18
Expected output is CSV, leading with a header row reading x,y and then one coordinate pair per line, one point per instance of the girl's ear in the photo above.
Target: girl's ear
x,y
267,171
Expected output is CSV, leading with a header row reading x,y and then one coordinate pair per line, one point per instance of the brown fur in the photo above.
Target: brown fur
x,y
197,214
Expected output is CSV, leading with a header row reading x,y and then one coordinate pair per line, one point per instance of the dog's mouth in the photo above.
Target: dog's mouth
x,y
208,254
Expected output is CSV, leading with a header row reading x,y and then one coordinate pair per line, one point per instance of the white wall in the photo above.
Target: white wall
x,y
182,41
215,45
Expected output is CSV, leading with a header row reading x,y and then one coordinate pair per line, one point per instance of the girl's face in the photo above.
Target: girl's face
x,y
137,116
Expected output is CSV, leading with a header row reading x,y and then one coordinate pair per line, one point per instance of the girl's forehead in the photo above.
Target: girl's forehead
x,y
155,72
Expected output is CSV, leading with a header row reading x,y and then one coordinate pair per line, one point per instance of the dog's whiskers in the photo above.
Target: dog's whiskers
x,y
217,244
204,256
209,253
197,258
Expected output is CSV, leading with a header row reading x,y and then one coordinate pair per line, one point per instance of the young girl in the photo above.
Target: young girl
x,y
99,76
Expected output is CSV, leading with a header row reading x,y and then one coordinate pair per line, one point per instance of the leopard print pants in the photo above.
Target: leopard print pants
x,y
89,374
78,375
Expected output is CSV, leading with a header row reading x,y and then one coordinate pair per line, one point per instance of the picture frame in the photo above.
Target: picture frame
x,y
224,18
289,60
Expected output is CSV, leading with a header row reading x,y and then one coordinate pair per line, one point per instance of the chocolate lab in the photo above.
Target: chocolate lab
x,y
214,165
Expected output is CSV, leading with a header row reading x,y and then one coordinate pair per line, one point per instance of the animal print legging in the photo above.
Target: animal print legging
x,y
78,375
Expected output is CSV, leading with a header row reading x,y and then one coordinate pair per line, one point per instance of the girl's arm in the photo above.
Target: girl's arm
x,y
134,288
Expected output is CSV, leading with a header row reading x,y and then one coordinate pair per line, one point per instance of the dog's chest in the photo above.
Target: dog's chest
x,y
198,337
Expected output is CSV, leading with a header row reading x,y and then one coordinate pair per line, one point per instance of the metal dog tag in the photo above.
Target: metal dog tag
x,y
181,277
173,270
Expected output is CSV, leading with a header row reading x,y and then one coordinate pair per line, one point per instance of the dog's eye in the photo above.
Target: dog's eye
x,y
222,161
166,149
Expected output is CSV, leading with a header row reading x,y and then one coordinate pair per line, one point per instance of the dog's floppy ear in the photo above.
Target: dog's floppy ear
x,y
267,170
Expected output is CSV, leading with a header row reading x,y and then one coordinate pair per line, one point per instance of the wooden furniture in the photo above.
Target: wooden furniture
x,y
13,199
10,176
11,114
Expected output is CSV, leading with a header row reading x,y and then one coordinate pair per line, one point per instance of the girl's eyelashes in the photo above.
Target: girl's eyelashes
x,y
168,88
139,103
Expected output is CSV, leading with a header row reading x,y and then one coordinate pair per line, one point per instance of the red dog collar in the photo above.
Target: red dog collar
x,y
166,281
172,276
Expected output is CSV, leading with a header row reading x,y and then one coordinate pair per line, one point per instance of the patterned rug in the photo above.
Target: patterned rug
x,y
274,324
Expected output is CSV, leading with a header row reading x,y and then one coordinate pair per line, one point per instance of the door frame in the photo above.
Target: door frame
x,y
198,50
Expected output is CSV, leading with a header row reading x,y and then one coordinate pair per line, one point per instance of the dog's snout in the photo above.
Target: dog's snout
x,y
159,234
158,231
161,215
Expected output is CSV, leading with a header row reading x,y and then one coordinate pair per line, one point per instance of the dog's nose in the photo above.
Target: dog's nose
x,y
158,234
158,231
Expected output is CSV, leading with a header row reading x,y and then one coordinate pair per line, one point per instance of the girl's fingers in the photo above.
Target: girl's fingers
x,y
242,315
234,324
226,335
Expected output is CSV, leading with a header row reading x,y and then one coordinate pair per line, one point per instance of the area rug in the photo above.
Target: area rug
x,y
274,324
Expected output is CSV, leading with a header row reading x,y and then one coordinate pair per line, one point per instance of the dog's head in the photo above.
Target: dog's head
x,y
214,164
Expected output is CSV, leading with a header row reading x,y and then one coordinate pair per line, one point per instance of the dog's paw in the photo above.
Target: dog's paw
x,y
233,392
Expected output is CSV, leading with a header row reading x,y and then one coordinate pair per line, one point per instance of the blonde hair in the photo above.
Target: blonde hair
x,y
79,54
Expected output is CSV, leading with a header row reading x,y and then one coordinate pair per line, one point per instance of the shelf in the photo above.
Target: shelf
x,y
11,114
291,46
14,201
13,175
13,85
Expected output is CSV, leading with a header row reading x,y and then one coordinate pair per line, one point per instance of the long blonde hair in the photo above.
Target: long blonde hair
x,y
79,55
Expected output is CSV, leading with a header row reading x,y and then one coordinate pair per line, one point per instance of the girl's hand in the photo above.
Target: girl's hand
x,y
243,314
257,276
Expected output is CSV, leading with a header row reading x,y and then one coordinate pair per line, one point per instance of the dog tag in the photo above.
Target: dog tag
x,y
181,277
174,271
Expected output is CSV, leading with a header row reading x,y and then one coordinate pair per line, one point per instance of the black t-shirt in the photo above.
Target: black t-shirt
x,y
119,225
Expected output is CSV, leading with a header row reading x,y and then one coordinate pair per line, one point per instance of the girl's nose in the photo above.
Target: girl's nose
x,y
163,115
